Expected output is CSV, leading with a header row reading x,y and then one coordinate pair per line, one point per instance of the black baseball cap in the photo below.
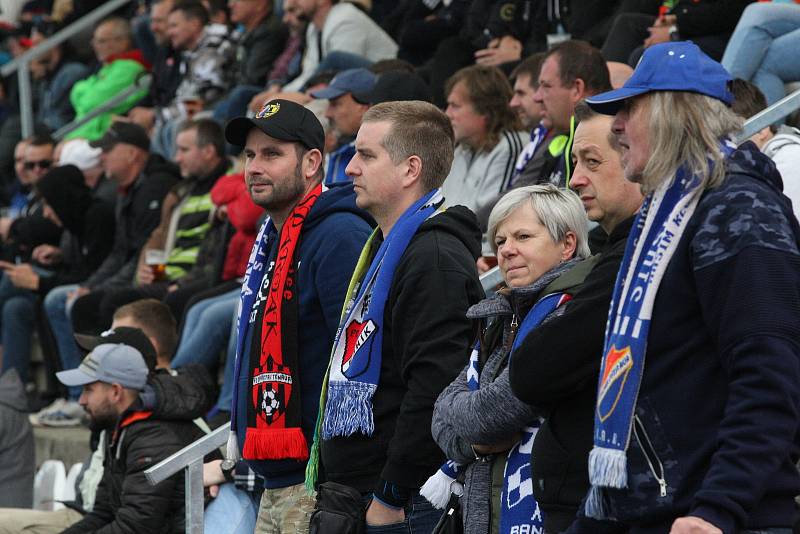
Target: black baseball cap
x,y
123,335
122,132
395,86
281,119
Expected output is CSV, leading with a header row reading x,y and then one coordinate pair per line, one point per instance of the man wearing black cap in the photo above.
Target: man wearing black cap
x,y
292,298
348,99
143,179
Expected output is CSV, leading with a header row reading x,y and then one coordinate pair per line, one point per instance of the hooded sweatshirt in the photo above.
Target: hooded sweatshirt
x,y
426,343
718,405
784,150
88,223
331,240
16,444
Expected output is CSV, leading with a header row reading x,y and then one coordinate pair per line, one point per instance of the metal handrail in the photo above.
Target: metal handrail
x,y
769,116
143,83
191,459
22,63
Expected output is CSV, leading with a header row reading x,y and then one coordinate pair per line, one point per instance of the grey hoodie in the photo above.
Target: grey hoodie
x,y
784,150
17,460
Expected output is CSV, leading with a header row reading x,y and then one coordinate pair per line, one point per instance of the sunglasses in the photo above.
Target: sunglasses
x,y
42,164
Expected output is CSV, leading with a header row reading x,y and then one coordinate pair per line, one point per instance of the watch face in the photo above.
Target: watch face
x,y
227,465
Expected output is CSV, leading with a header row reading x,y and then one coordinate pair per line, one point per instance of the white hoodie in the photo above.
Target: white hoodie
x,y
784,150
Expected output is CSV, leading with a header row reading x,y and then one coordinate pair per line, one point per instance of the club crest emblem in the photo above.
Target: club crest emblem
x,y
617,367
275,388
357,336
269,110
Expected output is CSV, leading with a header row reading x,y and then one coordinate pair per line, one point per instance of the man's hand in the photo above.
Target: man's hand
x,y
22,275
46,254
693,525
379,514
144,274
659,31
213,477
499,51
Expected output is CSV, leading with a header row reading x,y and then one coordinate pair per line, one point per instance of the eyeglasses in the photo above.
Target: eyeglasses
x,y
42,164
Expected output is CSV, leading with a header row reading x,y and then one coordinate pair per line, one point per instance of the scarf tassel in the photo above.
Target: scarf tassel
x,y
349,409
232,447
438,488
594,507
275,444
608,468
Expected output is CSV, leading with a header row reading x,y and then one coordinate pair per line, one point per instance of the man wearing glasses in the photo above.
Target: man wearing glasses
x,y
36,160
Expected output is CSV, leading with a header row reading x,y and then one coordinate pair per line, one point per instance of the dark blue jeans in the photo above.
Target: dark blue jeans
x,y
421,518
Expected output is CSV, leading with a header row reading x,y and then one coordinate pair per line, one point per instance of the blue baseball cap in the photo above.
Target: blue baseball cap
x,y
673,66
357,82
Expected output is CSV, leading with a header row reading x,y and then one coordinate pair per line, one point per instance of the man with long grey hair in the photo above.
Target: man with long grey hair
x,y
703,438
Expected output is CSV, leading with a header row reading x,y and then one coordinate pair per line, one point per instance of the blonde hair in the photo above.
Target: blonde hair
x,y
559,210
686,129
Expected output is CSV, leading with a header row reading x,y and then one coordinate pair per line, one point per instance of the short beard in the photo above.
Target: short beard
x,y
102,422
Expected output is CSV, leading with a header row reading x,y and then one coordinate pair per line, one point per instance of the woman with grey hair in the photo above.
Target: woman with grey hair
x,y
538,233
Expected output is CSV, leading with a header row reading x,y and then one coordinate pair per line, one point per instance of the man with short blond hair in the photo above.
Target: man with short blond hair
x,y
404,334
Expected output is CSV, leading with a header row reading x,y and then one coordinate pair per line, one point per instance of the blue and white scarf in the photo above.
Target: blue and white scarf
x,y
656,232
538,135
518,506
357,350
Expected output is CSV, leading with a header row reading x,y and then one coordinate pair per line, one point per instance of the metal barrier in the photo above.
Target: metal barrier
x,y
143,83
771,115
22,63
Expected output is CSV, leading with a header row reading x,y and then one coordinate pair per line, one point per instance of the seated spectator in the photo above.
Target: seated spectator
x,y
166,68
555,370
538,234
183,236
207,66
781,144
348,97
120,67
17,459
488,140
144,180
419,26
762,48
709,23
112,377
54,75
262,42
88,225
333,27
16,192
80,153
154,319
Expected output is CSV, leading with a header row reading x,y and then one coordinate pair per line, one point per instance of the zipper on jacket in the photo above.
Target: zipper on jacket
x,y
512,333
650,454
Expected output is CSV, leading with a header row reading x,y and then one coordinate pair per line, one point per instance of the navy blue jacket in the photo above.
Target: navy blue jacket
x,y
720,394
331,241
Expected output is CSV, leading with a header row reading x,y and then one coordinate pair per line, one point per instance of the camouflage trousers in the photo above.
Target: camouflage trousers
x,y
284,511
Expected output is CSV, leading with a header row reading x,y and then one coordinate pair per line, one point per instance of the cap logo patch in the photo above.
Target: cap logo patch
x,y
268,110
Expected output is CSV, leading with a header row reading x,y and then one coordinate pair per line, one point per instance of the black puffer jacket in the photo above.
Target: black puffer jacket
x,y
126,502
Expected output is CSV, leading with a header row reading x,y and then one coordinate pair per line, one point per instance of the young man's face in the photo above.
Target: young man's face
x,y
524,105
191,158
38,160
272,171
376,178
183,31
97,400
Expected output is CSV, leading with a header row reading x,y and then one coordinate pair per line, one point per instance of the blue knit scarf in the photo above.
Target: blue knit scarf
x,y
656,232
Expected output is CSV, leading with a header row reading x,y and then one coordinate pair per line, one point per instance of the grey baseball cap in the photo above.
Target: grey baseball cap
x,y
110,363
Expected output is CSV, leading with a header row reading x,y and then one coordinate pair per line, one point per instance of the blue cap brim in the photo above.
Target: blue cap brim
x,y
75,377
329,93
609,103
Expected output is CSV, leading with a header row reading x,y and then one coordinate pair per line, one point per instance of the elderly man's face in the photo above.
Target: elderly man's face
x,y
598,178
556,100
631,129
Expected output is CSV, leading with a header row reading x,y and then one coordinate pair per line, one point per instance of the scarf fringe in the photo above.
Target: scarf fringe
x,y
594,507
349,409
607,468
438,488
232,447
275,444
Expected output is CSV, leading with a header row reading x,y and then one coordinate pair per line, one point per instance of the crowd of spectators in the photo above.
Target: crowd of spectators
x,y
143,247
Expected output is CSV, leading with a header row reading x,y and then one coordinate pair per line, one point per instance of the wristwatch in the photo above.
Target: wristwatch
x,y
228,467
